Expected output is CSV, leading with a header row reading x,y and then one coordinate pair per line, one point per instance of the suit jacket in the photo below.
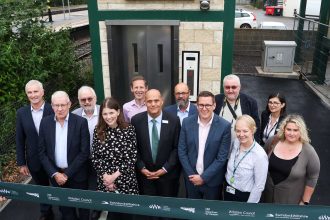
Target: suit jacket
x,y
77,146
173,109
216,149
27,137
249,107
167,155
264,121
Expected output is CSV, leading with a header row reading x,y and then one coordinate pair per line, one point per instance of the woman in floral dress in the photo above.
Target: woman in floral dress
x,y
114,153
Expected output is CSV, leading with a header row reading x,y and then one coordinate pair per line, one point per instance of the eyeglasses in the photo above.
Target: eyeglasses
x,y
231,87
89,99
57,106
181,93
202,106
274,103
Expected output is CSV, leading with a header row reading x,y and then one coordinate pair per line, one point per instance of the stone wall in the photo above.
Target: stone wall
x,y
156,5
205,37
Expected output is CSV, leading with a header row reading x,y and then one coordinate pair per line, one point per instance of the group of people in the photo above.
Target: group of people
x,y
218,145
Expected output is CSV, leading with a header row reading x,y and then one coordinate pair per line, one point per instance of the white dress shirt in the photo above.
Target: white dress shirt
x,y
61,143
251,172
37,116
92,122
203,132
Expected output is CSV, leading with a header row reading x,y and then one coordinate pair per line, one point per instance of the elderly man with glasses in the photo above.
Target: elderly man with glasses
x,y
203,149
233,104
64,150
89,110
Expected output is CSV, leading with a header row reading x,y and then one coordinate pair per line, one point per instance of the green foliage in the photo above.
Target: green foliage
x,y
29,50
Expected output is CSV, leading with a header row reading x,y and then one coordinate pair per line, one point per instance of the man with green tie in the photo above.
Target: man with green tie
x,y
157,134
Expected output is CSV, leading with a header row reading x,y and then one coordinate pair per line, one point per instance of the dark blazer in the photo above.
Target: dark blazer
x,y
264,121
249,106
27,137
173,109
167,155
216,149
77,147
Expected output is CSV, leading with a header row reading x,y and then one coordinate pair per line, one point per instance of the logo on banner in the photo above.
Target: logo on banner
x,y
120,204
154,206
53,198
188,209
33,194
208,211
288,216
324,217
81,200
8,192
241,213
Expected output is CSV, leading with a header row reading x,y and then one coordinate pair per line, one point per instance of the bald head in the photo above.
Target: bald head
x,y
154,102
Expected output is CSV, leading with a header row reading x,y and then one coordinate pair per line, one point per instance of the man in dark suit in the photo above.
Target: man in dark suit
x,y
157,132
203,149
183,107
233,104
64,150
27,129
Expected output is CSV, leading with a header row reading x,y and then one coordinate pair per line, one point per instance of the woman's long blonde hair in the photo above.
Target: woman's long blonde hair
x,y
297,120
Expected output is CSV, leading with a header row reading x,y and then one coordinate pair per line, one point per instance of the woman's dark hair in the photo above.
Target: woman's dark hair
x,y
110,103
282,100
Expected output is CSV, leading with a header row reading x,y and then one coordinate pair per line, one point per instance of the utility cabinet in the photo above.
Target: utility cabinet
x,y
278,56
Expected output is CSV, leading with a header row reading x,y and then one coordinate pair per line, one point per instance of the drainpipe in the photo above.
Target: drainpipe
x,y
299,36
321,52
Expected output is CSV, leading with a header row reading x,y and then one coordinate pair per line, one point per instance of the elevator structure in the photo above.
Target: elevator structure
x,y
149,38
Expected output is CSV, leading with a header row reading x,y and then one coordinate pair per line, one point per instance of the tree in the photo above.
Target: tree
x,y
30,50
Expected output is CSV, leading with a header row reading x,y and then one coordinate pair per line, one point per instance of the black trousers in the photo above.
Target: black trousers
x,y
40,177
239,196
69,213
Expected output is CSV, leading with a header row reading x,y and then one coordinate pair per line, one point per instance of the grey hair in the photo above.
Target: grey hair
x,y
33,82
86,88
58,94
232,77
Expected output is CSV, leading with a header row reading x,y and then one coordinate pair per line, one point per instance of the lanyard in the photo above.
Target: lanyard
x,y
232,111
235,167
266,136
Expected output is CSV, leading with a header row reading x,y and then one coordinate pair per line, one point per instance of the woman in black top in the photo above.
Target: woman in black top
x,y
272,116
114,153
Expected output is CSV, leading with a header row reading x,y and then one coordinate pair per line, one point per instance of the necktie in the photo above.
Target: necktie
x,y
154,140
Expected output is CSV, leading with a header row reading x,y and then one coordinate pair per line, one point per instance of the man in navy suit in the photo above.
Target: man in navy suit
x,y
183,107
233,104
203,149
157,133
64,150
27,129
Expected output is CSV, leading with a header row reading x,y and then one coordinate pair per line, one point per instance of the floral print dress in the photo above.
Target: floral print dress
x,y
118,152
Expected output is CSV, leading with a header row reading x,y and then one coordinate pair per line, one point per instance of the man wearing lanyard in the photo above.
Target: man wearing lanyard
x,y
233,104
203,149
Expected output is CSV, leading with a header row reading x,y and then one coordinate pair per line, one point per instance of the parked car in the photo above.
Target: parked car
x,y
245,19
272,25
